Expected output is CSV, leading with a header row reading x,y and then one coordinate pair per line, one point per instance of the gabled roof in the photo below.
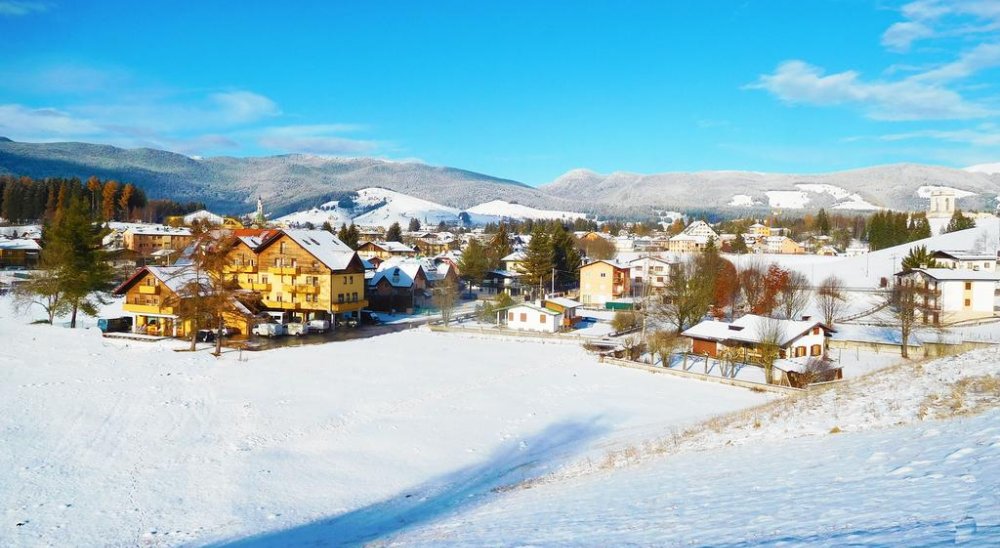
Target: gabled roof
x,y
174,277
614,264
564,302
955,274
532,306
964,255
396,276
21,244
515,256
752,329
327,249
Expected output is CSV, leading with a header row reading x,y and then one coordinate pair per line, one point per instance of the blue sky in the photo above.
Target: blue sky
x,y
525,90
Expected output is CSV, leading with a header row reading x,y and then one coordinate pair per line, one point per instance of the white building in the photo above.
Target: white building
x,y
952,295
531,317
965,260
653,271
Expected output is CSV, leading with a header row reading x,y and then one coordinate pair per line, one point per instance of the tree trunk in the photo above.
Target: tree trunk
x,y
218,339
72,319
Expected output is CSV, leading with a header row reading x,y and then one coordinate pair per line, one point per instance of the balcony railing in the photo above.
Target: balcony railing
x,y
284,270
149,289
301,288
282,305
349,307
147,308
261,287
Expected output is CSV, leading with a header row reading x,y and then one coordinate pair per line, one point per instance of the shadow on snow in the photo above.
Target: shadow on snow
x,y
459,490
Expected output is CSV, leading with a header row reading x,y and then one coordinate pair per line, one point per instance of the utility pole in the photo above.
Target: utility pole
x,y
553,280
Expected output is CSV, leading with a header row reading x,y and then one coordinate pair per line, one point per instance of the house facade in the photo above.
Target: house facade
x,y
531,317
153,239
746,338
19,253
946,295
965,260
153,294
602,282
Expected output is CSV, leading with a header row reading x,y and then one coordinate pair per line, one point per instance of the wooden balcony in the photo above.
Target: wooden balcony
x,y
246,269
149,289
284,270
147,309
280,305
261,287
301,288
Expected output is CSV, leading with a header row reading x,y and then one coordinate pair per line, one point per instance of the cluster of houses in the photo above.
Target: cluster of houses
x,y
293,275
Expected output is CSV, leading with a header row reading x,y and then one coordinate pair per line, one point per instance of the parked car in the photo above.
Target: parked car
x,y
269,329
367,316
206,335
115,325
297,328
319,326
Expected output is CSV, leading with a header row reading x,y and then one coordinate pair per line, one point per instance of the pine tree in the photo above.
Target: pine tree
x,y
565,257
327,227
342,233
353,235
959,222
499,246
740,245
108,195
474,263
414,225
823,222
537,265
394,234
73,252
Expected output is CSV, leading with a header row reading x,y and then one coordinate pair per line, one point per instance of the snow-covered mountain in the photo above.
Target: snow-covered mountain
x,y
501,209
382,207
992,169
901,186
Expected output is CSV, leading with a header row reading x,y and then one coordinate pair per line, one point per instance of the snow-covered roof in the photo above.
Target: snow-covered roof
x,y
751,329
323,245
395,275
515,256
951,274
533,307
158,230
964,255
203,215
177,277
564,302
19,244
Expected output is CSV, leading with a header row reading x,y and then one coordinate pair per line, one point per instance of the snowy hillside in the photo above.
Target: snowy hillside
x,y
985,168
382,207
500,209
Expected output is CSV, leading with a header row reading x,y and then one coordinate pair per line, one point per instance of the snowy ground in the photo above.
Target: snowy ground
x,y
123,443
889,459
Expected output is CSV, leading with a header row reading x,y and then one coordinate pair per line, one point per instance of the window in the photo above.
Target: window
x,y
604,274
968,302
800,351
815,331
968,286
263,279
277,262
541,318
340,297
510,316
524,317
281,247
354,297
816,350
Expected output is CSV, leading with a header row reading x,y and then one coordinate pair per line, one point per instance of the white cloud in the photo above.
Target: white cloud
x,y
244,106
22,7
19,120
986,136
798,82
900,36
316,139
981,57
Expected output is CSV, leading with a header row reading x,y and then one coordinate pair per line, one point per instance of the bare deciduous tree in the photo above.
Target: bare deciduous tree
x,y
794,295
830,297
686,298
771,333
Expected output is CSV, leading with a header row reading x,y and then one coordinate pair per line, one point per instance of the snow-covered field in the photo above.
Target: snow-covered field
x,y
107,442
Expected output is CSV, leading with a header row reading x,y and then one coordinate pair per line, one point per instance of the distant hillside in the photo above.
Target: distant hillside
x,y
287,183
902,186
295,183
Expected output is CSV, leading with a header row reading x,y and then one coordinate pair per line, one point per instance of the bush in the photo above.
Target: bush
x,y
625,320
